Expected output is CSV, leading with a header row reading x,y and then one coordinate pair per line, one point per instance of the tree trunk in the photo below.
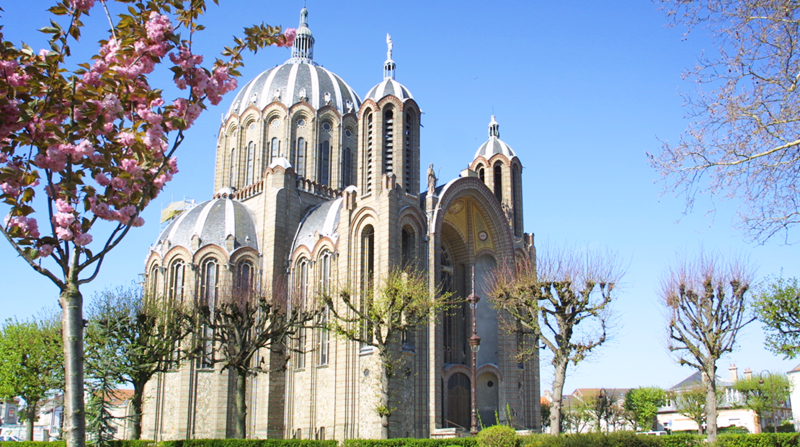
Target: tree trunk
x,y
385,410
72,334
558,390
136,403
711,406
30,413
241,403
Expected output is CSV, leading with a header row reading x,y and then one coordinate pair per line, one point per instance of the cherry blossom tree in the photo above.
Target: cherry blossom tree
x,y
84,150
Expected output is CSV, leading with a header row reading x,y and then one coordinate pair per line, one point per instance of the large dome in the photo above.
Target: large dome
x,y
494,145
223,222
298,79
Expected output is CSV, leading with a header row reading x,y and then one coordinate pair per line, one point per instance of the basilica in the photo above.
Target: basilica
x,y
319,187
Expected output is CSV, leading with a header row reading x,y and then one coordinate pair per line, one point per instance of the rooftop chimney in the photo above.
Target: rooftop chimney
x,y
748,374
734,374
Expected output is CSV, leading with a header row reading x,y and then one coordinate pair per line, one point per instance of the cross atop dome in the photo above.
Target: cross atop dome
x,y
389,66
303,47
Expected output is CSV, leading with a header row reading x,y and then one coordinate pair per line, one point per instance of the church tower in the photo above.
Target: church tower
x,y
500,170
389,129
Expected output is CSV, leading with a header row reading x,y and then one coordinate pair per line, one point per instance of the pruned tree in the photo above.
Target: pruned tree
x,y
85,146
707,304
777,306
692,402
742,141
31,363
564,300
131,337
380,318
764,394
234,329
643,404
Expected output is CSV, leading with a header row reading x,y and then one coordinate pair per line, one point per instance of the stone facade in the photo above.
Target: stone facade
x,y
319,190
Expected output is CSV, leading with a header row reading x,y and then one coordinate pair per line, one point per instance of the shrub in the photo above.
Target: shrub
x,y
759,440
411,442
245,443
683,440
33,444
497,436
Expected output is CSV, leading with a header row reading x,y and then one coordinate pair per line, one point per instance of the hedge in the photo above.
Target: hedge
x,y
411,442
248,443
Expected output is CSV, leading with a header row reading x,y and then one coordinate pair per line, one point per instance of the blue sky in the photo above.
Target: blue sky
x,y
581,90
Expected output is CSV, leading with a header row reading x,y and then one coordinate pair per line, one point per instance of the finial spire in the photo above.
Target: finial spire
x,y
389,66
303,47
494,128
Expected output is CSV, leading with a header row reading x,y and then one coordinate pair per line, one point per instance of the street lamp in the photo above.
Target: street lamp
x,y
475,346
771,398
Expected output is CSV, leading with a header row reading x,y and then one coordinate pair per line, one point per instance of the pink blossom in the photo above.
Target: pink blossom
x,y
118,183
126,138
101,179
27,225
131,166
289,35
173,165
128,211
9,189
45,250
63,219
81,5
64,207
83,239
83,149
97,157
64,234
138,222
156,26
111,104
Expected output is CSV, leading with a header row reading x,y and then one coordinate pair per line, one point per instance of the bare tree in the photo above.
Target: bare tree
x,y
564,300
382,318
706,301
745,115
242,322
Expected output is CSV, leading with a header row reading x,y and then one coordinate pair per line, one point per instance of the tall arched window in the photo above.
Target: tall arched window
x,y
251,159
369,155
388,142
408,159
516,199
275,147
176,279
300,293
209,286
347,168
152,281
244,275
367,279
408,246
498,181
323,337
300,157
323,176
482,173
232,170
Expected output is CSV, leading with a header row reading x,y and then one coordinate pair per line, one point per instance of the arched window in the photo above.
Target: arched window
x,y
516,199
244,275
498,181
209,285
367,279
300,157
232,170
369,155
388,142
347,168
408,160
323,336
176,279
481,173
251,159
408,246
300,296
275,147
323,176
153,281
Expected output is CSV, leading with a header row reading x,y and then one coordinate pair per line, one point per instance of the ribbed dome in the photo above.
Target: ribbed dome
x,y
495,145
214,222
388,87
298,79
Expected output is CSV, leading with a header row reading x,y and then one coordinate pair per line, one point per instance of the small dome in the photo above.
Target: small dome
x,y
213,222
388,87
321,221
494,145
298,79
